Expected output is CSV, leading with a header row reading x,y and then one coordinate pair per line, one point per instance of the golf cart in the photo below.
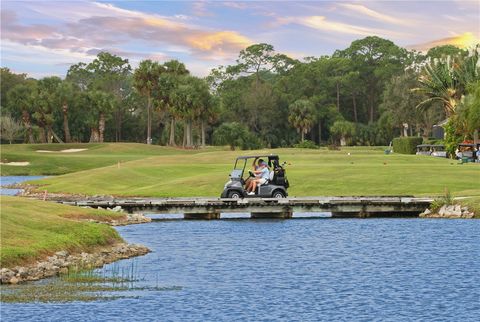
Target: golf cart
x,y
467,152
275,187
434,150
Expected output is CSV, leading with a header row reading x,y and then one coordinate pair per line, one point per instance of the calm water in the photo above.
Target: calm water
x,y
8,180
293,270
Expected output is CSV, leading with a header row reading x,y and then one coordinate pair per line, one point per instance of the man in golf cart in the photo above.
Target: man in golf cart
x,y
262,175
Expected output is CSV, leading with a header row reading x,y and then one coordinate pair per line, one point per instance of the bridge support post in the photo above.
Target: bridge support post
x,y
210,215
285,214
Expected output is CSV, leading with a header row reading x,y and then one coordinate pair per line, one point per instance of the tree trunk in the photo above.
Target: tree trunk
x,y
28,126
149,120
370,112
338,96
188,128
171,140
118,125
184,142
160,131
319,132
94,135
354,101
49,134
101,127
343,141
54,135
203,133
42,134
303,135
66,129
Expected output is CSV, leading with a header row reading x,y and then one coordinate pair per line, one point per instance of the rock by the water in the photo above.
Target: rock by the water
x,y
61,261
449,211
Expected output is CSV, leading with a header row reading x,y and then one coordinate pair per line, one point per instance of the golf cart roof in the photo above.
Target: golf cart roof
x,y
430,146
269,156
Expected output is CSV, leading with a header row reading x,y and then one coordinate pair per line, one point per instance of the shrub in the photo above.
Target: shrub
x,y
445,200
333,147
236,135
452,138
307,144
406,145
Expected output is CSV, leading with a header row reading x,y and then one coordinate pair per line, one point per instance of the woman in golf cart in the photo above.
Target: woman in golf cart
x,y
262,174
255,167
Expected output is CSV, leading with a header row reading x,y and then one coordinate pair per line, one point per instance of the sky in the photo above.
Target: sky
x,y
43,38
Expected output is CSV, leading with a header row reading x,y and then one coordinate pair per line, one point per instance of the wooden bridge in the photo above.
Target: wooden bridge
x,y
212,208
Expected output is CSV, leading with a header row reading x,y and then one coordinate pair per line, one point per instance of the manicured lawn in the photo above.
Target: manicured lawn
x,y
366,171
31,229
56,162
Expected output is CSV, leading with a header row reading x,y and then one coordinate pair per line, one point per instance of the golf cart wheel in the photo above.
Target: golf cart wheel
x,y
234,195
278,194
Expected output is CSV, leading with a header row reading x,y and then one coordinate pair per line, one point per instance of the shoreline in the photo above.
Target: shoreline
x,y
45,239
62,262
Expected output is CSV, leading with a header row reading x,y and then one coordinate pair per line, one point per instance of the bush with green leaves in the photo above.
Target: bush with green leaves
x,y
406,145
307,144
235,135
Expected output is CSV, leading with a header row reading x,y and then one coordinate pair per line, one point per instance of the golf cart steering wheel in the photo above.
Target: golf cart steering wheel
x,y
250,172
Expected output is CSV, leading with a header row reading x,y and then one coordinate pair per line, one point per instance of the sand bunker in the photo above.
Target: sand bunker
x,y
62,151
72,150
16,164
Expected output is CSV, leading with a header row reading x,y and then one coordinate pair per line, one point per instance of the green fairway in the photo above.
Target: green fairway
x,y
366,171
32,229
57,162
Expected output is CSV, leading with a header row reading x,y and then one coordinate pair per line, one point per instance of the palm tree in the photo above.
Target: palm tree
x,y
101,104
175,71
302,116
445,80
343,130
20,101
65,92
46,101
145,81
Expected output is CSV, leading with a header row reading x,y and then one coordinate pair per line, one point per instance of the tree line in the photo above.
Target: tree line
x,y
366,94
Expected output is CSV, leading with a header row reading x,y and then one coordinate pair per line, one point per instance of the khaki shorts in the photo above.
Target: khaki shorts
x,y
262,181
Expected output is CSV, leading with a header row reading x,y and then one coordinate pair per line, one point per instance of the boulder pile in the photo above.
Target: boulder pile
x,y
448,211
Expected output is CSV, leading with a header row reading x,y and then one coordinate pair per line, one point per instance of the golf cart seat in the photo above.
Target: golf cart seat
x,y
270,178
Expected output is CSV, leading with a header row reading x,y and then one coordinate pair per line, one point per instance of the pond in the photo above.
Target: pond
x,y
300,269
9,180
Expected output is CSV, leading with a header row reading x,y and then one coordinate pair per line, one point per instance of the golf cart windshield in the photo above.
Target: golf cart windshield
x,y
236,174
242,162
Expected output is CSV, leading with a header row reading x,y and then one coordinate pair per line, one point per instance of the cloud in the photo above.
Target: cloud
x,y
374,14
465,40
96,26
322,23
236,5
199,9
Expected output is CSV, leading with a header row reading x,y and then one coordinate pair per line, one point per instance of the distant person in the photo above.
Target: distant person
x,y
458,154
262,175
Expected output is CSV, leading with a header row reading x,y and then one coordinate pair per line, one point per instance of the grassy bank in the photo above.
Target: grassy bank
x,y
48,159
32,229
351,171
